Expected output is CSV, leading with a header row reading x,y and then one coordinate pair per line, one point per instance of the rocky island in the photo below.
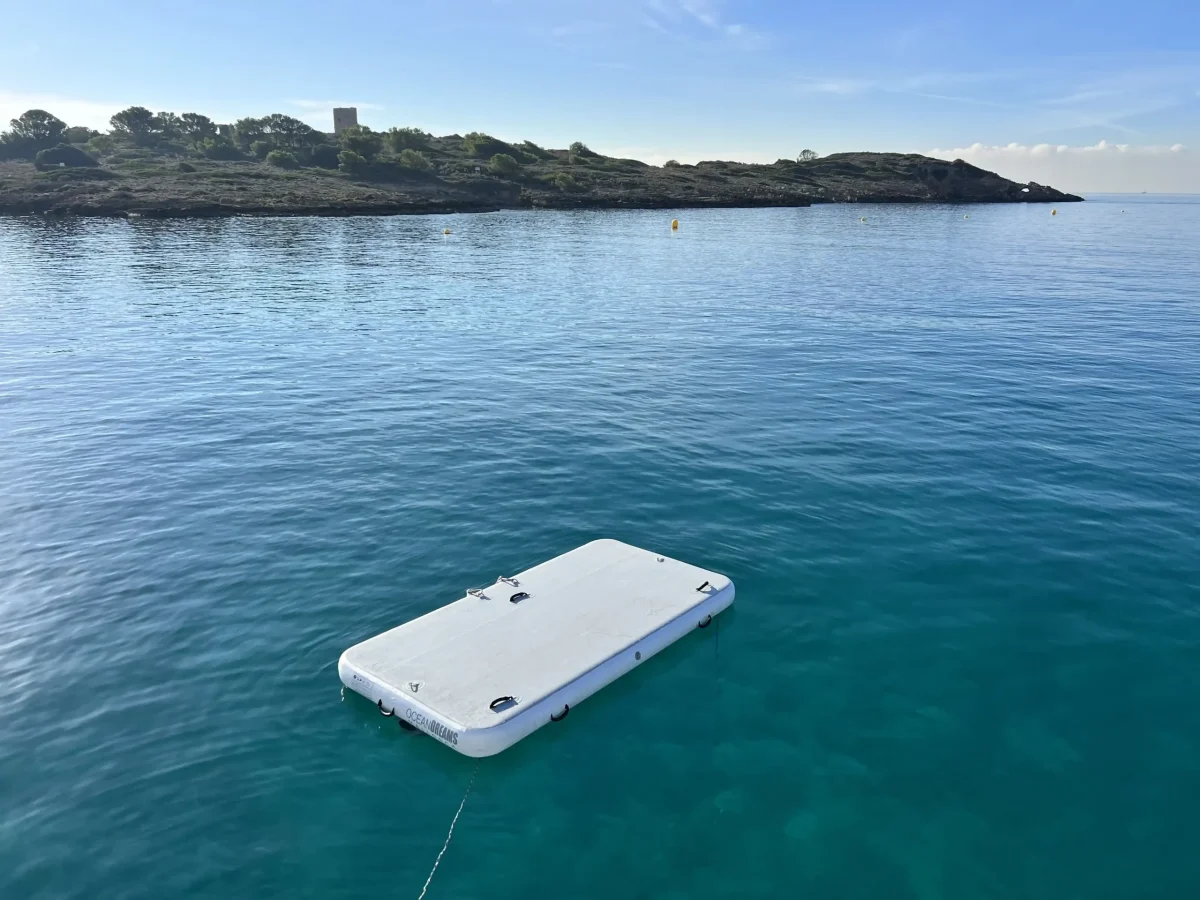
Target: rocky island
x,y
166,165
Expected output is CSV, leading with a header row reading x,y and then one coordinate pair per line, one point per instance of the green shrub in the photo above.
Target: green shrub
x,y
400,139
579,148
101,143
64,155
324,156
414,159
362,141
806,156
78,134
219,148
529,148
261,148
282,159
349,161
472,141
186,167
503,164
484,145
565,182
672,164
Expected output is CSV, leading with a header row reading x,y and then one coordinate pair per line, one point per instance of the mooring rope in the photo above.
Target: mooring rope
x,y
437,862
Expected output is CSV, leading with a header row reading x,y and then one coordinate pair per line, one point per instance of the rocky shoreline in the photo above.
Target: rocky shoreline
x,y
156,185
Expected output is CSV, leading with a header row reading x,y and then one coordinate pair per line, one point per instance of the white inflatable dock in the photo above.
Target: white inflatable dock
x,y
485,671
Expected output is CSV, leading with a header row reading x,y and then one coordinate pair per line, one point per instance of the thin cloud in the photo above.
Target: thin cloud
x,y
925,84
835,85
577,29
680,18
1048,149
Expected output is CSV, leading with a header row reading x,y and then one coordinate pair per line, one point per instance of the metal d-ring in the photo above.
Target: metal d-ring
x,y
566,709
705,622
384,711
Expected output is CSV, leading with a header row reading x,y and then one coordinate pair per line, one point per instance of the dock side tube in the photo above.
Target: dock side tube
x,y
481,742
397,703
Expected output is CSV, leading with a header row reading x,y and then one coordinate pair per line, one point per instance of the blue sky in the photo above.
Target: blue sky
x,y
1085,95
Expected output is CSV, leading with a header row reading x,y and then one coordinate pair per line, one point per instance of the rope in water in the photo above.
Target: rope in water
x,y
437,862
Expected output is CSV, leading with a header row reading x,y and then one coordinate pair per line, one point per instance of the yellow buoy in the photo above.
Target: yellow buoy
x,y
674,224
445,231
1054,212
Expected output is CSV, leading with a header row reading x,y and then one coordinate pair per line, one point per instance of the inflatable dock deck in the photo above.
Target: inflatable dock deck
x,y
485,671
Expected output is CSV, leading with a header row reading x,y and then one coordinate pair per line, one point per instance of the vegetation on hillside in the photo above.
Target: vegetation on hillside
x,y
163,163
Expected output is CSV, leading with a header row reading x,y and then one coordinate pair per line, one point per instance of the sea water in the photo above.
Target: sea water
x,y
952,465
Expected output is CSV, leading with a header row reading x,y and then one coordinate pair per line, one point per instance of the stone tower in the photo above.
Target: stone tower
x,y
344,117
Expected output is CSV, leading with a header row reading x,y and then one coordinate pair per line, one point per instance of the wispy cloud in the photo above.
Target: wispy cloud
x,y
683,17
1043,150
577,29
813,85
1060,97
925,84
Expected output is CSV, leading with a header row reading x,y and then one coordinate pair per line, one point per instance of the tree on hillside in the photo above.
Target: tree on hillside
x,y
136,123
406,139
33,131
362,141
78,134
806,156
168,125
196,127
39,126
582,150
248,130
287,131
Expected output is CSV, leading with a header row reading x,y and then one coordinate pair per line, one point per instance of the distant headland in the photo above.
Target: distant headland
x,y
169,166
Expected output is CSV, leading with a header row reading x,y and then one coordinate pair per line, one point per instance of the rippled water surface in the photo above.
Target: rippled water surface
x,y
952,465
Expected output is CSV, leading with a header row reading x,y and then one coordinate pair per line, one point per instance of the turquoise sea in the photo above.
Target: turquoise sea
x,y
950,457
